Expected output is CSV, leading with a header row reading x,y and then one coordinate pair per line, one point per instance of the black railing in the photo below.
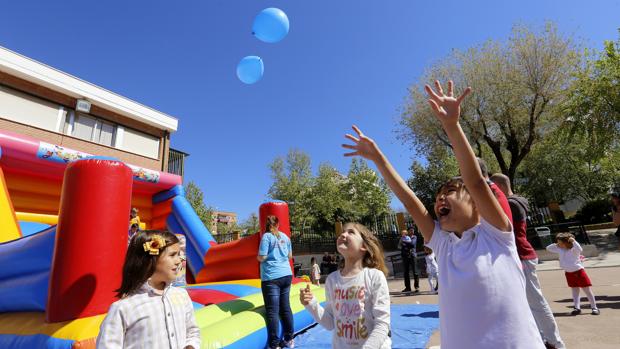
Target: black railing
x,y
307,240
176,162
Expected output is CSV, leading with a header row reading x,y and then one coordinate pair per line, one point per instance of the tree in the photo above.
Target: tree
x,y
251,224
368,195
425,181
593,109
558,170
292,182
195,196
516,88
328,201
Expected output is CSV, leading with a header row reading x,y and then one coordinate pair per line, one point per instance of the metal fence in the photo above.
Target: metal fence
x,y
176,162
307,240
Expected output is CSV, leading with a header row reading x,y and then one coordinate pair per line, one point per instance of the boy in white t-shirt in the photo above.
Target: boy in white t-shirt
x,y
482,303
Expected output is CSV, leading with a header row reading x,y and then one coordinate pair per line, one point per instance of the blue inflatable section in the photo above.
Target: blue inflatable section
x,y
29,228
24,276
197,234
195,261
24,293
235,290
177,190
34,341
411,324
27,255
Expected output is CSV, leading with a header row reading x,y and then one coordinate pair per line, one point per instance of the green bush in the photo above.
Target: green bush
x,y
595,211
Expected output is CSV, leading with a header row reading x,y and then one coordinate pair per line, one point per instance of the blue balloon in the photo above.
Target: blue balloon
x,y
270,25
250,69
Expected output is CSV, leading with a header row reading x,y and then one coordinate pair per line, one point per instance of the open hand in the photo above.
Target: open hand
x,y
305,295
446,107
364,146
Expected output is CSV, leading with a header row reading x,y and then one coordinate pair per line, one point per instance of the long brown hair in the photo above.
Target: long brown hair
x,y
374,251
140,265
271,222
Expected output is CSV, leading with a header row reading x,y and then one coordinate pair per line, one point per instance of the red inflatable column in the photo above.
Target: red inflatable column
x,y
279,209
91,239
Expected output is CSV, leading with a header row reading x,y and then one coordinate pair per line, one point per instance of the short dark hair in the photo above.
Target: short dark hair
x,y
140,265
135,225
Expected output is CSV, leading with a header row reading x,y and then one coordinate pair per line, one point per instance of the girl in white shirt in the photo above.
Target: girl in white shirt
x,y
482,303
315,273
432,270
570,260
357,308
150,312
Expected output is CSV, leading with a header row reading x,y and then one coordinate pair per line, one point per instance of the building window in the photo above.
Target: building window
x,y
92,129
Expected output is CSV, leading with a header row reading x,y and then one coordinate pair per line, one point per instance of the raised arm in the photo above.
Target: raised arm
x,y
367,148
321,315
447,108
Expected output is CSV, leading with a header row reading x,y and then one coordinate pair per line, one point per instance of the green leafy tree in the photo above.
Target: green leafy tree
x,y
593,109
195,196
558,170
516,88
292,182
251,225
368,195
327,200
426,180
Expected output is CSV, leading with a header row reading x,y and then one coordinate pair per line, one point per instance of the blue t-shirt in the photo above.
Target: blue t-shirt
x,y
277,250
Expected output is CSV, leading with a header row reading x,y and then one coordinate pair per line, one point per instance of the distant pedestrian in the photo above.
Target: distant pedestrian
x,y
315,272
432,270
570,260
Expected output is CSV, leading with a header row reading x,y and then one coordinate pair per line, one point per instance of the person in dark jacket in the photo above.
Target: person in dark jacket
x,y
407,244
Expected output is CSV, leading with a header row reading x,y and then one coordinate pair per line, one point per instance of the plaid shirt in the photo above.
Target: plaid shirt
x,y
147,320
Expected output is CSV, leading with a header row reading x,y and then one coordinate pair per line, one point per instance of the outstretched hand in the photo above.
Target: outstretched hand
x,y
364,146
447,108
305,295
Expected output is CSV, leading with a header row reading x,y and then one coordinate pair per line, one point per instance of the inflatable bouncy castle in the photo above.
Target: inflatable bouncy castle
x,y
63,236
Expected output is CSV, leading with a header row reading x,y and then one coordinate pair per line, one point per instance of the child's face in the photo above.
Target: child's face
x,y
455,209
168,265
350,242
562,244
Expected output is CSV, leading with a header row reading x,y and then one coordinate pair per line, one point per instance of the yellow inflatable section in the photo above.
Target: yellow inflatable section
x,y
8,221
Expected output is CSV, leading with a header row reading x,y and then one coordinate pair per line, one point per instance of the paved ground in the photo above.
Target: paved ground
x,y
583,331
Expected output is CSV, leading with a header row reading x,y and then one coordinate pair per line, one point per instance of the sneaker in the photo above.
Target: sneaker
x,y
406,290
595,311
417,290
288,344
575,311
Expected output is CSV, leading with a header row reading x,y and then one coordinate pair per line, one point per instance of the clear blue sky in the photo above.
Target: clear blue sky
x,y
343,62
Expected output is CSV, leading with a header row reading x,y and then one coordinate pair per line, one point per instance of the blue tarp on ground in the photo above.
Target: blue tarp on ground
x,y
412,326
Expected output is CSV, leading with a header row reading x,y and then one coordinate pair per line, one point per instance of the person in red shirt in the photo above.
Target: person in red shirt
x,y
529,259
499,195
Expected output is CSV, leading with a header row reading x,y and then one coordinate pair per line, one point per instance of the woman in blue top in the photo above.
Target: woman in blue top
x,y
274,253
